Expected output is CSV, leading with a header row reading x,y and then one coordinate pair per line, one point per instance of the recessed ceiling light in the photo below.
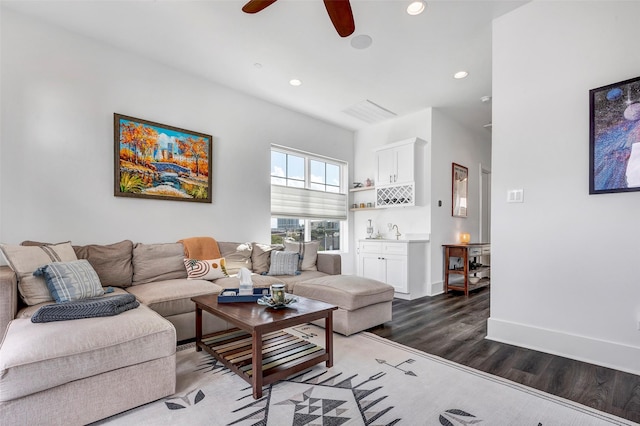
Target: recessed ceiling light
x,y
460,74
295,82
416,7
257,65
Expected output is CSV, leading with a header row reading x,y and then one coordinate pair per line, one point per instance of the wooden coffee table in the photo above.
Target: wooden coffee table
x,y
258,350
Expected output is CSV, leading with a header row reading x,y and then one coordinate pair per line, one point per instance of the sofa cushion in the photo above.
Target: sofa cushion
x,y
284,263
112,262
292,280
258,281
308,253
237,255
263,281
36,357
205,269
24,260
172,297
69,281
261,256
348,292
158,262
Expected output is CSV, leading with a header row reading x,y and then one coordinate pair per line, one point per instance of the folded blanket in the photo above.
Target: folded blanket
x,y
201,248
87,308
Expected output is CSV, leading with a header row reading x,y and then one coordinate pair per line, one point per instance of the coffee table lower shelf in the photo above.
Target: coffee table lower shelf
x,y
283,354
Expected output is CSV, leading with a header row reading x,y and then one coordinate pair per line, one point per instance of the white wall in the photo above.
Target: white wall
x,y
564,263
59,93
410,220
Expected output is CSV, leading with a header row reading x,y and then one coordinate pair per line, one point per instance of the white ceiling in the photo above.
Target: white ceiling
x,y
408,67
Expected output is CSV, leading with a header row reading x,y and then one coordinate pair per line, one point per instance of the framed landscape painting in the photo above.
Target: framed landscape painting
x,y
157,161
614,138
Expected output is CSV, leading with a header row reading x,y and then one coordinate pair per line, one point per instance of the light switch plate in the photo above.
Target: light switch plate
x,y
515,196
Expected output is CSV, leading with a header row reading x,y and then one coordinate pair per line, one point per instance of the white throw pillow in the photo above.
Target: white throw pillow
x,y
205,269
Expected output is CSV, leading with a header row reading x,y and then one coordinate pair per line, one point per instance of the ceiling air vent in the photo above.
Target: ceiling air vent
x,y
369,111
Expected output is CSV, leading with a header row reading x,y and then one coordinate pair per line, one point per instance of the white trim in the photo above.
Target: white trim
x,y
582,348
286,150
482,171
437,288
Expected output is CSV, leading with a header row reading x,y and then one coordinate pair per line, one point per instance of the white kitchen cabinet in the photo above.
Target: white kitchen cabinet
x,y
399,167
400,263
395,163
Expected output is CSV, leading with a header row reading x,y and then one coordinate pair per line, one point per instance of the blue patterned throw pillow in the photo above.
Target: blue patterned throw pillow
x,y
284,263
69,281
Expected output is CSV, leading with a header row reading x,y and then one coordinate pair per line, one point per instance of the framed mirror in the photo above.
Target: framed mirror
x,y
459,188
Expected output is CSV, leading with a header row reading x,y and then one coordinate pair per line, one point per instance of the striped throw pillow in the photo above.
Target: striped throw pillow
x,y
284,263
69,281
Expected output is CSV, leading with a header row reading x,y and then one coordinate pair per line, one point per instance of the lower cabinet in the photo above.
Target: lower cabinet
x,y
401,264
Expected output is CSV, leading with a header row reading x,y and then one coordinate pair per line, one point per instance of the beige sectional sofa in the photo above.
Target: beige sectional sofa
x,y
80,371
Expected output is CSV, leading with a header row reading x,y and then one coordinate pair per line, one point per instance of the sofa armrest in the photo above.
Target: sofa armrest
x,y
8,297
329,263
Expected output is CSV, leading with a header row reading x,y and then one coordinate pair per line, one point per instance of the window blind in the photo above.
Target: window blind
x,y
288,201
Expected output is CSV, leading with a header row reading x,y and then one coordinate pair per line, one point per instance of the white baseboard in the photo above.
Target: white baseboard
x,y
436,288
587,349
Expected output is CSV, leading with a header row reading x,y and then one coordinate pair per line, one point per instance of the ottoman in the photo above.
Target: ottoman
x,y
77,372
362,302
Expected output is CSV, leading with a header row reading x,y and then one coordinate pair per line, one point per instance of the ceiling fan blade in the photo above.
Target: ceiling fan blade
x,y
255,6
340,13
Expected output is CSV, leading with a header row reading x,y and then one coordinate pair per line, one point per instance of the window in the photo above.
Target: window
x,y
287,169
308,198
326,232
324,176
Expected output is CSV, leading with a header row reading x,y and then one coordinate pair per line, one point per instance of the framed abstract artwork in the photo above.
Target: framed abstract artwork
x,y
459,189
156,161
614,137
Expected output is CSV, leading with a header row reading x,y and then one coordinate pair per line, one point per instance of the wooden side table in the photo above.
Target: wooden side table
x,y
469,260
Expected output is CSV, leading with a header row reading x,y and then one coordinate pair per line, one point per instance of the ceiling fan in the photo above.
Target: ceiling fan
x,y
339,11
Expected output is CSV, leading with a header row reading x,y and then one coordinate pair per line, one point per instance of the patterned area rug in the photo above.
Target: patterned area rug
x,y
373,382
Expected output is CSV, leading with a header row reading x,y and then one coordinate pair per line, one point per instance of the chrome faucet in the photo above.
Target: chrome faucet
x,y
397,230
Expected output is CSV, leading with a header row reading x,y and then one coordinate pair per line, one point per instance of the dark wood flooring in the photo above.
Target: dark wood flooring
x,y
454,327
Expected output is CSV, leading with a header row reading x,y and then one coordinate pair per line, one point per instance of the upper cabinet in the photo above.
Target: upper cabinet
x,y
395,164
398,169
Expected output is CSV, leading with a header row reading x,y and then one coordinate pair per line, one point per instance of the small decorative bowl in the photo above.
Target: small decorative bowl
x,y
474,280
268,301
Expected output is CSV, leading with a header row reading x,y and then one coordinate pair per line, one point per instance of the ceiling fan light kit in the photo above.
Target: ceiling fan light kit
x,y
339,12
